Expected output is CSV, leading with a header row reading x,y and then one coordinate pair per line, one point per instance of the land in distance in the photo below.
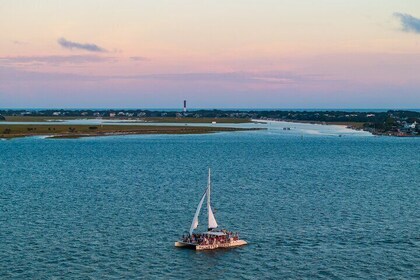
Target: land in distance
x,y
76,131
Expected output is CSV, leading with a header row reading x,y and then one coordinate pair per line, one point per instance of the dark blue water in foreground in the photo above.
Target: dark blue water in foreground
x,y
316,207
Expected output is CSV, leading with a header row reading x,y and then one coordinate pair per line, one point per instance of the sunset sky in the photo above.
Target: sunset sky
x,y
215,54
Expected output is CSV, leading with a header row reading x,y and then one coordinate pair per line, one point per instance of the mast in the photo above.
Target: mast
x,y
212,219
208,189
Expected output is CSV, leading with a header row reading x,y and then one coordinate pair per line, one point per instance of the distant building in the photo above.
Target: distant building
x,y
185,106
410,125
112,115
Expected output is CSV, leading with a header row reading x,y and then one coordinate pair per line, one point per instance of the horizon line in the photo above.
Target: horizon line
x,y
202,108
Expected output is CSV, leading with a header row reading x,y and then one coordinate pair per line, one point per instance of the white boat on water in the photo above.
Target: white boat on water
x,y
213,238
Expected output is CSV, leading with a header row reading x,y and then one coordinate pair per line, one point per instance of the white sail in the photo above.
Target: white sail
x,y
197,212
212,219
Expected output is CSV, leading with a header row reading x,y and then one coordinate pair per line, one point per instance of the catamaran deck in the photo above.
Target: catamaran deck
x,y
197,247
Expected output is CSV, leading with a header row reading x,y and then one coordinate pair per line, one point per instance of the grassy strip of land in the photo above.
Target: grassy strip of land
x,y
76,131
142,119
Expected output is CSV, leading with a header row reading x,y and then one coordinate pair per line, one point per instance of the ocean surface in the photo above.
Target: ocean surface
x,y
311,205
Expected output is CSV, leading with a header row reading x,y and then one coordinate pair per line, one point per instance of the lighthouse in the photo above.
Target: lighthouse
x,y
185,106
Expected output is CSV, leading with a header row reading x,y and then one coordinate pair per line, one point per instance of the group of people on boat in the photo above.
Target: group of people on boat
x,y
210,239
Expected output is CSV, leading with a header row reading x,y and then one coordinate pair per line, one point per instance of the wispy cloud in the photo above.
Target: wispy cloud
x,y
138,58
16,42
408,22
81,46
14,75
273,78
55,59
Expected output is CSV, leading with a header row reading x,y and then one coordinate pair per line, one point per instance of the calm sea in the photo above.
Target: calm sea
x,y
311,205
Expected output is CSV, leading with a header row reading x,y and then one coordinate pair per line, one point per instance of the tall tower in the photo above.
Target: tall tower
x,y
185,106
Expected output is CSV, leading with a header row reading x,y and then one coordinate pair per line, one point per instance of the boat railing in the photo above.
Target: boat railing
x,y
206,239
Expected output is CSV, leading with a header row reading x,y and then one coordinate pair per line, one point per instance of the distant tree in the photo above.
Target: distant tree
x,y
389,122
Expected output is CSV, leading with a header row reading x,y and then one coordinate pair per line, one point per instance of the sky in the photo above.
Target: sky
x,y
214,54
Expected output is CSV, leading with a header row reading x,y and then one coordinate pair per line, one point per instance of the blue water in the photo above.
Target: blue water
x,y
316,207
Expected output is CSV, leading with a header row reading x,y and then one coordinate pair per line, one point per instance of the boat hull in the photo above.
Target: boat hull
x,y
198,247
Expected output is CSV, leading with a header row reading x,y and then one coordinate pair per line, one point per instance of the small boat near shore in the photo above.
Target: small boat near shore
x,y
213,238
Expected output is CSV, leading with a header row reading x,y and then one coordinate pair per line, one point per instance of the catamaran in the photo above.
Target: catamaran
x,y
213,238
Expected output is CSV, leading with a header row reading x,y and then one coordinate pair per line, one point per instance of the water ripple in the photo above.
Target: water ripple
x,y
312,208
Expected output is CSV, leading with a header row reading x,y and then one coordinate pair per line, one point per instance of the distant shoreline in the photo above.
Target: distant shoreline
x,y
391,123
55,131
349,125
345,124
59,119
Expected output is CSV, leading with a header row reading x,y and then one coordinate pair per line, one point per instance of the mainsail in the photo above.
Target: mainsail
x,y
212,220
197,212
